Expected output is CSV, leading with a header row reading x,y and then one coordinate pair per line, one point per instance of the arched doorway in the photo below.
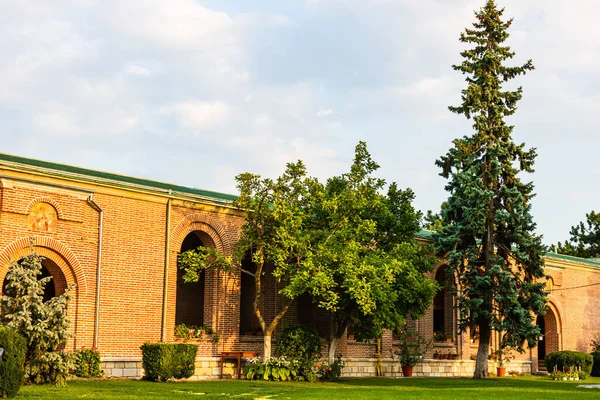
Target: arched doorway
x,y
54,287
189,306
442,307
550,335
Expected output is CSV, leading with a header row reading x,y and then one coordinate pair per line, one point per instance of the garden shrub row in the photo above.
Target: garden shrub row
x,y
564,360
163,361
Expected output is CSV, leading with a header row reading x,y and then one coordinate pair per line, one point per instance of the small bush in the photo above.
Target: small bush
x,y
302,344
564,360
274,369
87,363
11,366
163,361
596,366
330,372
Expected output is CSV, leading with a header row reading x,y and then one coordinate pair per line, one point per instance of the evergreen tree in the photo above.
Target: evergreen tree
x,y
585,238
44,325
488,232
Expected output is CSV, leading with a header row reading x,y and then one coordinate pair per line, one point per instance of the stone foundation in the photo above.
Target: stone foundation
x,y
208,368
364,367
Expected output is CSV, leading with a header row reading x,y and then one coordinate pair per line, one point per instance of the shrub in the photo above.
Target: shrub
x,y
563,360
596,366
11,366
302,344
87,363
163,361
43,324
412,346
330,372
274,369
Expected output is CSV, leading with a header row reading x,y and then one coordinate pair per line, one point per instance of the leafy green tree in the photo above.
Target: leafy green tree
x,y
44,325
275,235
585,238
365,248
488,232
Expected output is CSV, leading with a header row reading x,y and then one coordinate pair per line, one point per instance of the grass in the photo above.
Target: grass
x,y
372,388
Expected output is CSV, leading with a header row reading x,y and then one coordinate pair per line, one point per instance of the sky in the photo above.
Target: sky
x,y
194,92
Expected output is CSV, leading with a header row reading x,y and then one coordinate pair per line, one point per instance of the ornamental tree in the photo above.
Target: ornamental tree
x,y
275,236
488,232
365,244
44,325
585,238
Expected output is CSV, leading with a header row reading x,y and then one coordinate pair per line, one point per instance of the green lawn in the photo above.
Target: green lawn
x,y
374,388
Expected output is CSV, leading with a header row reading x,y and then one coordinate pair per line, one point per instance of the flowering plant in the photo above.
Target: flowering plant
x,y
330,372
183,331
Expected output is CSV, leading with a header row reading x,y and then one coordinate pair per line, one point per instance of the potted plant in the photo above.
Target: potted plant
x,y
502,358
412,348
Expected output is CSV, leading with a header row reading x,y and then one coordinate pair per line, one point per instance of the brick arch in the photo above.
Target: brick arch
x,y
200,222
51,249
553,327
49,200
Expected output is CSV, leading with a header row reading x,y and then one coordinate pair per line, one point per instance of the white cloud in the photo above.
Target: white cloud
x,y
324,112
57,124
138,71
198,114
180,24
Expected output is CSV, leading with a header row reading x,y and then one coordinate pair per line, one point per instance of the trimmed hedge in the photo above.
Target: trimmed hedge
x,y
567,359
163,361
11,366
596,366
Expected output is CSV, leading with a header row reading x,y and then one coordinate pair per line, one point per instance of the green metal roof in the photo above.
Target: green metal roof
x,y
591,261
99,177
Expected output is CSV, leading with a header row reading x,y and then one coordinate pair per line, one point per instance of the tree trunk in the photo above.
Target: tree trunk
x,y
332,349
335,340
267,347
481,365
379,358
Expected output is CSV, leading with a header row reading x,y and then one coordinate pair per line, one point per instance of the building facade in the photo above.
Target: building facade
x,y
117,239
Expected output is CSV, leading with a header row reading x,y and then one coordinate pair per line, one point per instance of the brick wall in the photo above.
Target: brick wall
x,y
133,274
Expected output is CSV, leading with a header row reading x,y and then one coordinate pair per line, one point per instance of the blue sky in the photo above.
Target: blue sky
x,y
195,92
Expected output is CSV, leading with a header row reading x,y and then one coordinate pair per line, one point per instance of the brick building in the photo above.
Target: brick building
x,y
117,239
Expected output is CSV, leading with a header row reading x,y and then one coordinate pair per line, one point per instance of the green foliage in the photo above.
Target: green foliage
x,y
412,346
330,372
88,364
195,260
13,360
487,226
565,360
275,369
596,363
368,267
44,325
585,238
163,361
302,344
183,331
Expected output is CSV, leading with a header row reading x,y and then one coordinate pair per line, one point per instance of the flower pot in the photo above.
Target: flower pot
x,y
407,371
501,371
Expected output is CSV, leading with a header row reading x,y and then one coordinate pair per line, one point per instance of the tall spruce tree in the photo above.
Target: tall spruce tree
x,y
488,232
